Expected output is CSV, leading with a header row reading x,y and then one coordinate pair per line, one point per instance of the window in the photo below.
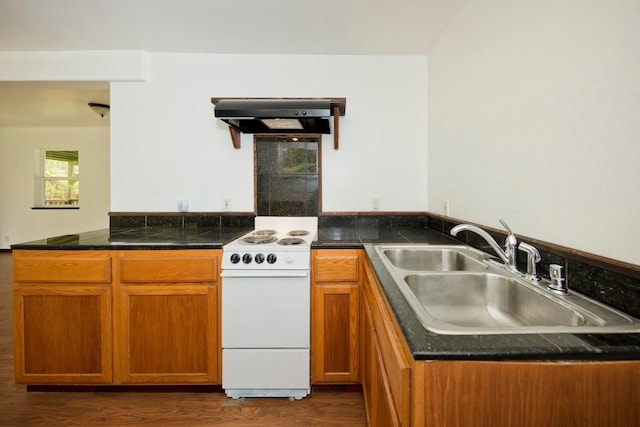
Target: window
x,y
58,180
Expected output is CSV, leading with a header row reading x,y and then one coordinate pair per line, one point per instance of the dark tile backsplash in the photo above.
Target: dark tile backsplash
x,y
127,221
192,220
610,287
165,221
361,221
286,176
243,221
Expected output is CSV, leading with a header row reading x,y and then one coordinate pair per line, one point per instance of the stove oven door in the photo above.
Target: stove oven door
x,y
266,333
266,309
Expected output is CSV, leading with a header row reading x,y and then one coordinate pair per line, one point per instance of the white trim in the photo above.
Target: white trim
x,y
74,66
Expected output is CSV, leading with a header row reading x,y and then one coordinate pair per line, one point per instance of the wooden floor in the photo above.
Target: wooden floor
x,y
19,407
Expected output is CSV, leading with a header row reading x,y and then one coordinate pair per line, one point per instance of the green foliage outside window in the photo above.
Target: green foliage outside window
x,y
61,173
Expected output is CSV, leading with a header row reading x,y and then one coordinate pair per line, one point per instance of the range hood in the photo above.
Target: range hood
x,y
279,115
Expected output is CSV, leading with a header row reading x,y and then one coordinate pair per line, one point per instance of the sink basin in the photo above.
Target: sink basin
x,y
487,301
433,259
456,290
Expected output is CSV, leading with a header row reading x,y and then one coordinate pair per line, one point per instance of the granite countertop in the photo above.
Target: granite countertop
x,y
131,238
424,345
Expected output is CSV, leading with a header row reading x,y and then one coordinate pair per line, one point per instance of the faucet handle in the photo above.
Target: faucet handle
x,y
510,247
511,238
504,224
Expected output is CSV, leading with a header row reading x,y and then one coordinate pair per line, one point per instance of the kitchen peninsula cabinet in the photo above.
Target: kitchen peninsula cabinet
x,y
167,317
335,315
528,393
400,390
62,317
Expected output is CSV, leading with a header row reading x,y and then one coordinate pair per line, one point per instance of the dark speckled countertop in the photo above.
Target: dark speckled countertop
x,y
140,238
422,343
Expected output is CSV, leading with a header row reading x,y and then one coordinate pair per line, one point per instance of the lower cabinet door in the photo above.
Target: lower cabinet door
x,y
166,334
385,412
335,333
375,384
63,334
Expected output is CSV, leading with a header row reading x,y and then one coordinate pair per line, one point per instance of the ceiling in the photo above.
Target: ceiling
x,y
328,27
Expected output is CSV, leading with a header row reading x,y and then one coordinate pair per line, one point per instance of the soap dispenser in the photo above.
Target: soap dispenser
x,y
558,283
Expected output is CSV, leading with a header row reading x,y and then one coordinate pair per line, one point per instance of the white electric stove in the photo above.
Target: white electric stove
x,y
266,301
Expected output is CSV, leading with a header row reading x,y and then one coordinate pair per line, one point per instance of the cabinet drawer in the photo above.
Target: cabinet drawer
x,y
336,266
62,266
168,267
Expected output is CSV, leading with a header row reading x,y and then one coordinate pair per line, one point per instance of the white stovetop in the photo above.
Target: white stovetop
x,y
242,255
284,224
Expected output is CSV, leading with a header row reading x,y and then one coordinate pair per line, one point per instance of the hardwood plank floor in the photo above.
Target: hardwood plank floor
x,y
19,407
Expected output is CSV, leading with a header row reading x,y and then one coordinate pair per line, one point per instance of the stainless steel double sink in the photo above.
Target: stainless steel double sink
x,y
459,290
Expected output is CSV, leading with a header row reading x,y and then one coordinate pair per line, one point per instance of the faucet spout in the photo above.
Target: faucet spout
x,y
533,257
508,255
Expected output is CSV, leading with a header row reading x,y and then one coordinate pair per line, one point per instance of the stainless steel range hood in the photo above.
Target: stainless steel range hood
x,y
297,116
272,115
279,115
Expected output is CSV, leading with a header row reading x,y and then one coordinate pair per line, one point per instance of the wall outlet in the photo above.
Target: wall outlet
x,y
6,239
227,204
375,204
445,207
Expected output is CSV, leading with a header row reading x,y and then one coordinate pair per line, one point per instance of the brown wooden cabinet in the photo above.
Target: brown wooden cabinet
x,y
527,393
167,317
62,317
122,317
386,364
375,383
335,316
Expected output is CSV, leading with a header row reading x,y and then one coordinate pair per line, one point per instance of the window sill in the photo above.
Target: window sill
x,y
55,207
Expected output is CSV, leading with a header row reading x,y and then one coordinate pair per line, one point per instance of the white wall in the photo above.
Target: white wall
x,y
166,144
68,66
18,222
534,118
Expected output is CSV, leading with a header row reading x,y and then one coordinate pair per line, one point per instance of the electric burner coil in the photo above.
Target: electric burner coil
x,y
290,241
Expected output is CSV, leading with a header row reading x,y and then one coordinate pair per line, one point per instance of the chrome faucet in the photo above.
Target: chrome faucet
x,y
508,255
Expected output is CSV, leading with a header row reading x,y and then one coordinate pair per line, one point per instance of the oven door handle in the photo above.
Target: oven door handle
x,y
264,273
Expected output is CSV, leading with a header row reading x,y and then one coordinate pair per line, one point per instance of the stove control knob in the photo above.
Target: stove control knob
x,y
272,258
259,258
246,258
288,259
235,258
